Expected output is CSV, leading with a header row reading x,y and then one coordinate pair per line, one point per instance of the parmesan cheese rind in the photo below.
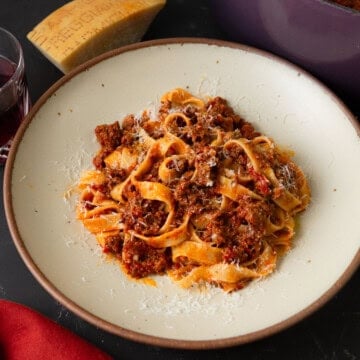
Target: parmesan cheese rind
x,y
83,29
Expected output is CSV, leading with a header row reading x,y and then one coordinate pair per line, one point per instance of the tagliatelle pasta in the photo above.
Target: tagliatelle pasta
x,y
195,193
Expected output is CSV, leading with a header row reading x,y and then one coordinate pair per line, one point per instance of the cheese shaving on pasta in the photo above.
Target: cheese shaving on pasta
x,y
195,193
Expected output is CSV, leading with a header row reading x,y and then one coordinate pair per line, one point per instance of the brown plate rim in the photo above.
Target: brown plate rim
x,y
116,329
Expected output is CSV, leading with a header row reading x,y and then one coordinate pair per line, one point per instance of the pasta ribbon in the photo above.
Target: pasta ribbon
x,y
198,252
168,239
235,191
179,97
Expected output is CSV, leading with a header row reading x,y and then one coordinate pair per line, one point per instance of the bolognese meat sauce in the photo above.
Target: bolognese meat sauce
x,y
234,225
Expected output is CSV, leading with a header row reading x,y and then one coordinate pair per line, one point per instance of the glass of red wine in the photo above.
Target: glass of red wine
x,y
14,96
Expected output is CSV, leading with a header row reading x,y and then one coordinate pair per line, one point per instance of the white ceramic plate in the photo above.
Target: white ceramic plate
x,y
57,142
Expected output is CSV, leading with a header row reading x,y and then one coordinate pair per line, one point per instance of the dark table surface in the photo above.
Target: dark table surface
x,y
333,332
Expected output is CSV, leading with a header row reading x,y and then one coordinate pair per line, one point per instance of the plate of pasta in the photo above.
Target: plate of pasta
x,y
184,194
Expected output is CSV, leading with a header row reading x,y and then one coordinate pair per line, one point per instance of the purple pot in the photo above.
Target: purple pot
x,y
319,36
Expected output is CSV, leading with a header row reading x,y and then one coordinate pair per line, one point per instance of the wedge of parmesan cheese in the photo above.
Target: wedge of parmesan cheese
x,y
83,29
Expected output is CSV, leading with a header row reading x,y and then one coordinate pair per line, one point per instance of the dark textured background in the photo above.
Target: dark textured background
x,y
333,332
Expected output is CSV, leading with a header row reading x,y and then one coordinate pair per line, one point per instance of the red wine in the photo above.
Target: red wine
x,y
14,105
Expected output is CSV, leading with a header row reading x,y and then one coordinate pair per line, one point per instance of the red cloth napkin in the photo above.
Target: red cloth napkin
x,y
28,335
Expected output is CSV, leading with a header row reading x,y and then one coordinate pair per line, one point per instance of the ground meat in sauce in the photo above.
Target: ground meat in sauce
x,y
114,176
140,260
238,232
221,114
109,137
193,197
144,216
205,161
114,244
245,250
